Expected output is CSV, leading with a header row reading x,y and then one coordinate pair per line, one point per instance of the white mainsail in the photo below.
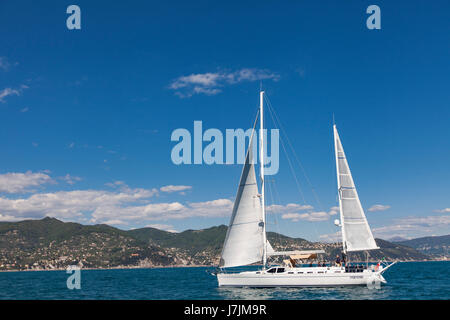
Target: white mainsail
x,y
356,233
245,236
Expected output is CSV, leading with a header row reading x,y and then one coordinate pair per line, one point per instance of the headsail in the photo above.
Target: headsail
x,y
356,233
269,248
245,236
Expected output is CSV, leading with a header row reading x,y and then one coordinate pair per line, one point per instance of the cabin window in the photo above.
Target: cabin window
x,y
290,272
272,270
280,270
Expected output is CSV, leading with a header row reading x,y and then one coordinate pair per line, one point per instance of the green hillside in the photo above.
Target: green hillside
x,y
50,243
438,246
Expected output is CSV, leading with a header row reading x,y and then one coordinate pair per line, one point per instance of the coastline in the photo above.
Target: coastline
x,y
181,266
113,268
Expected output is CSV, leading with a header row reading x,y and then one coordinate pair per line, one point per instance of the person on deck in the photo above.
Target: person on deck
x,y
338,261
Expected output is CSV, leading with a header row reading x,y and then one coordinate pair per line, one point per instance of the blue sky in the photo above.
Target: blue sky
x,y
86,115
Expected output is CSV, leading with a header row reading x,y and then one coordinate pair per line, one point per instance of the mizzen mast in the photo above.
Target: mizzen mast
x,y
261,161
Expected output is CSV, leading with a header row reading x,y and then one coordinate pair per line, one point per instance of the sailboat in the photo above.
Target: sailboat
x,y
246,241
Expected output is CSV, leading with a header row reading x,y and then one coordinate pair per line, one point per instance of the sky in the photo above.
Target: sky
x,y
86,116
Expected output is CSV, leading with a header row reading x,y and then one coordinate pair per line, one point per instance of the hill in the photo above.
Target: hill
x,y
437,247
51,244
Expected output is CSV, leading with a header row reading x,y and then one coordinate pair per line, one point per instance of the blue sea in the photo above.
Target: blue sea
x,y
407,280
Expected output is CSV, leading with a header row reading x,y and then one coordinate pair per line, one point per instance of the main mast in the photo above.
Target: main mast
x,y
344,249
261,161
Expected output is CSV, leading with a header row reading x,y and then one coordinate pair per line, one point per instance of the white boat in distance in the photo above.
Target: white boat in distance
x,y
246,243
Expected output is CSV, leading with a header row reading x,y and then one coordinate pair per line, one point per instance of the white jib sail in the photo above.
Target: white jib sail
x,y
269,248
356,233
244,240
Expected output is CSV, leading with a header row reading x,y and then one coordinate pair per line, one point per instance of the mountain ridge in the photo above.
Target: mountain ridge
x,y
437,246
53,244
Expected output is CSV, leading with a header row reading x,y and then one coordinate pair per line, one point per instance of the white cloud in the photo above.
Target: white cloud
x,y
114,222
8,92
115,184
6,218
333,211
70,179
308,216
137,213
202,79
425,222
378,207
247,74
122,186
11,92
164,227
164,211
4,64
332,237
72,204
210,83
119,206
408,227
446,210
213,208
291,207
294,212
172,188
17,182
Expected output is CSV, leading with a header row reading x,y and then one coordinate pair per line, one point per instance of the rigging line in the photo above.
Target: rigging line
x,y
293,172
271,112
271,198
289,162
330,225
279,201
296,156
269,187
278,122
277,226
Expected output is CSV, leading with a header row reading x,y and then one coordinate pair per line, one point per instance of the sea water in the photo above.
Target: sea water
x,y
407,280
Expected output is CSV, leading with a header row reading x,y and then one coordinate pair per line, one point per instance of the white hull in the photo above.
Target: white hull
x,y
302,277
